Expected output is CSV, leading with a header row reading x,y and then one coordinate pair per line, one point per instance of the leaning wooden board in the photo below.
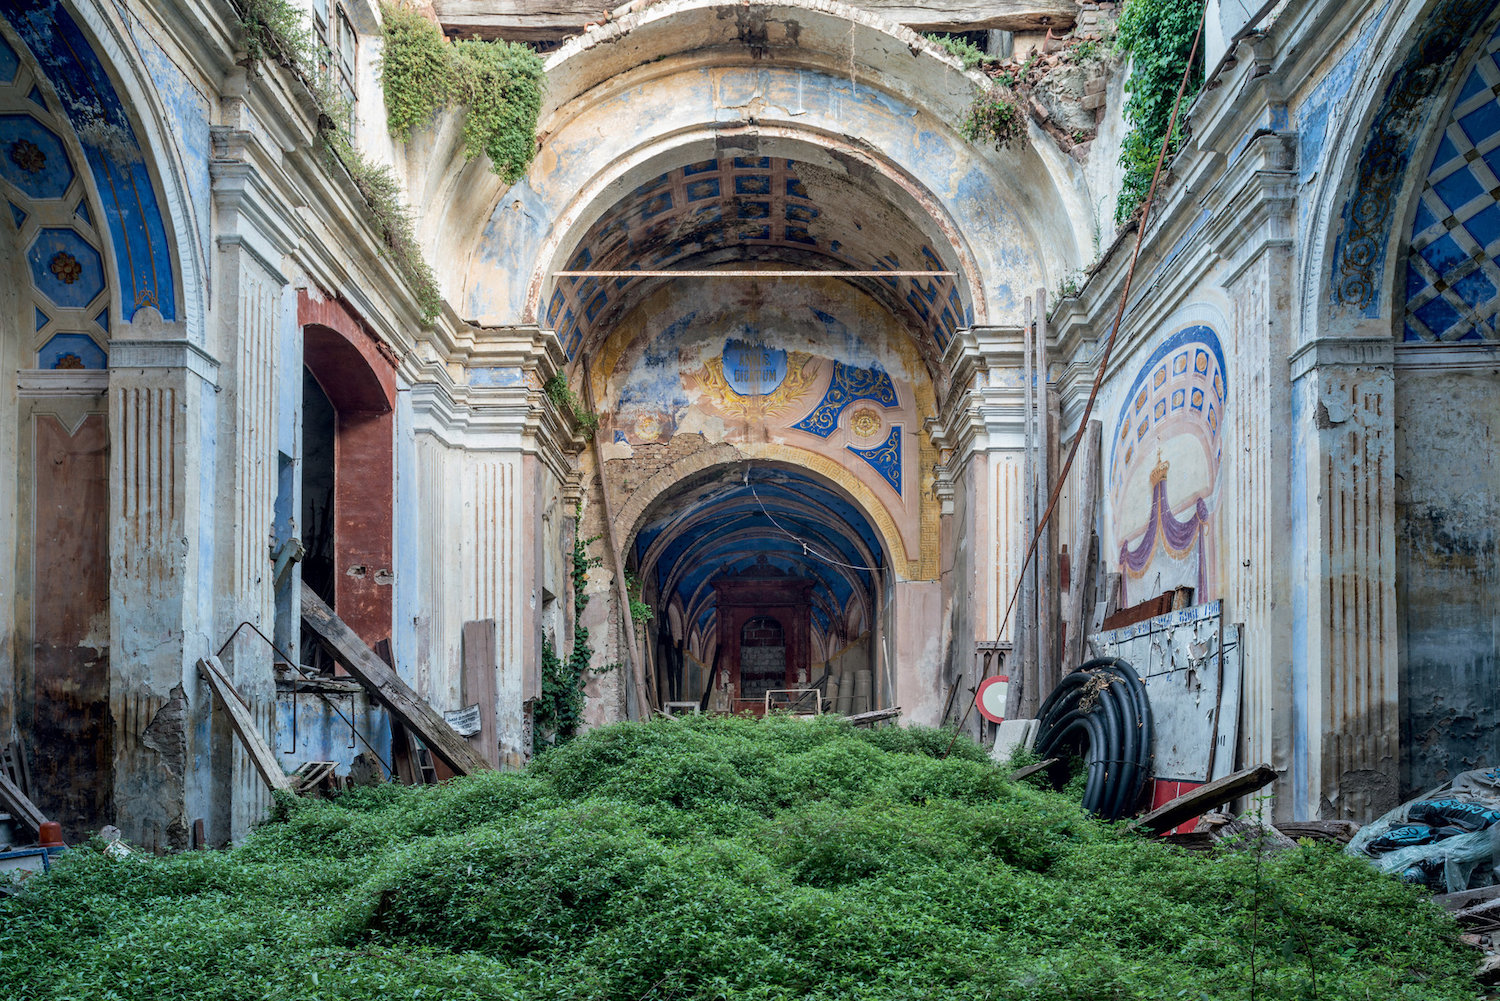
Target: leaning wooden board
x,y
261,755
409,708
14,802
1205,797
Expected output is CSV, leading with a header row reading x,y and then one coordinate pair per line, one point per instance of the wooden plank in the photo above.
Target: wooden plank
x,y
865,719
406,706
1200,800
15,803
261,755
1030,770
548,20
478,684
1088,491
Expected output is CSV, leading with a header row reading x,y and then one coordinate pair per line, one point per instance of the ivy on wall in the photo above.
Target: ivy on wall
x,y
560,709
1158,36
499,83
275,30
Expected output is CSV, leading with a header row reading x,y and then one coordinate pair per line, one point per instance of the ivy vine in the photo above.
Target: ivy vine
x,y
499,83
276,30
1158,36
559,711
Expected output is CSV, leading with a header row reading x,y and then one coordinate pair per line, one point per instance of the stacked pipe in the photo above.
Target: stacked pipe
x,y
1101,712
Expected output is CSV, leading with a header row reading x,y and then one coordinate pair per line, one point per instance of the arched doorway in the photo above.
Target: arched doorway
x,y
56,311
766,581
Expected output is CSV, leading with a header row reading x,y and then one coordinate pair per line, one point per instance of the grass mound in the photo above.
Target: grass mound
x,y
721,858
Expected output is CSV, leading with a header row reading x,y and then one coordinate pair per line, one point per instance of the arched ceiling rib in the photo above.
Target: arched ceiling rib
x,y
769,211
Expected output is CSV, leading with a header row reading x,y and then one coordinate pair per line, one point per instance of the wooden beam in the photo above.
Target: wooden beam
x,y
549,20
478,685
261,755
406,706
1083,567
19,806
638,701
1205,797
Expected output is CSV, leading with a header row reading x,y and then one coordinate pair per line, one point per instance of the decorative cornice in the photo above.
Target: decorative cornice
x,y
34,383
169,354
1346,352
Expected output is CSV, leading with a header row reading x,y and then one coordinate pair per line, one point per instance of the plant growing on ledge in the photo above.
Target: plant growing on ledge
x,y
640,612
1157,35
499,83
567,401
275,30
994,117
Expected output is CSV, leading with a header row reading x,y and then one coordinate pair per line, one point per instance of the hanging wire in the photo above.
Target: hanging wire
x,y
1103,366
807,549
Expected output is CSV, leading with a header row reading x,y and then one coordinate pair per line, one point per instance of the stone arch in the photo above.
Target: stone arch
x,y
1364,200
897,93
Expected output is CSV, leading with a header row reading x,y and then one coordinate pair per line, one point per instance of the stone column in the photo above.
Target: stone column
x,y
1347,718
162,413
981,437
253,320
486,463
1251,229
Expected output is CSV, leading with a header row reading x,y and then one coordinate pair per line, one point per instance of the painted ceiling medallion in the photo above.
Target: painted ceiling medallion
x,y
865,423
28,156
69,361
66,267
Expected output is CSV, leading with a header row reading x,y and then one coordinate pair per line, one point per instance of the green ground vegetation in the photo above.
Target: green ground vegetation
x,y
719,858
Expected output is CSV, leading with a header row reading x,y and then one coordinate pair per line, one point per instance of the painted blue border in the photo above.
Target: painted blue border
x,y
137,225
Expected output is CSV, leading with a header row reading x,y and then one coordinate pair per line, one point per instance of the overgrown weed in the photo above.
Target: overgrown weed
x,y
715,857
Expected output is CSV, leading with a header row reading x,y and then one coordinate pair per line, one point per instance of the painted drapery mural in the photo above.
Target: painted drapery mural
x,y
1163,468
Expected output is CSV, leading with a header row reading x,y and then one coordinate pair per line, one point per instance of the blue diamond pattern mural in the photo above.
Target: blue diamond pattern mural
x,y
1452,279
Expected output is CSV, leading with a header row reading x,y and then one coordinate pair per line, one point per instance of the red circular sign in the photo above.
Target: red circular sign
x,y
990,699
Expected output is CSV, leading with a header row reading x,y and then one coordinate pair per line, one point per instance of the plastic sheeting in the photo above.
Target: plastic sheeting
x,y
1448,839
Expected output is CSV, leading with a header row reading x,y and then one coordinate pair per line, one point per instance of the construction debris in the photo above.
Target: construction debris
x,y
406,706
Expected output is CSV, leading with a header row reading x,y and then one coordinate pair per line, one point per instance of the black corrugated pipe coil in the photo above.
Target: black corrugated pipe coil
x,y
1100,712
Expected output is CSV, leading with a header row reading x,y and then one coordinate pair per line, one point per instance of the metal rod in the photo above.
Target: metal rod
x,y
390,770
753,274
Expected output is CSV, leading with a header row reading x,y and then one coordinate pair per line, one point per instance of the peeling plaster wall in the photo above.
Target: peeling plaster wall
x,y
1447,572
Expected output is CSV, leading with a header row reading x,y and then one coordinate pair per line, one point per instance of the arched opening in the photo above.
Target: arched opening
x,y
768,586
348,467
1444,306
55,316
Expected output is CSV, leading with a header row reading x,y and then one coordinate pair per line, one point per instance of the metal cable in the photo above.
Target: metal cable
x,y
1109,347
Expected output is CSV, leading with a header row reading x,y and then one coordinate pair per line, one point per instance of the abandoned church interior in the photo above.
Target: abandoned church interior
x,y
726,356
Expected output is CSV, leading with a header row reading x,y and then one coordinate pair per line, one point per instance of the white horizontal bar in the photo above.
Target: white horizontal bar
x,y
753,274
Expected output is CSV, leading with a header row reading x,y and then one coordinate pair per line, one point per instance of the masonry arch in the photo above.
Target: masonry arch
x,y
719,549
1373,151
1442,299
694,86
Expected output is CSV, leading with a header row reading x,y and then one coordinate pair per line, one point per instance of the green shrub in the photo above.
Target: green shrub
x,y
722,858
994,117
498,83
